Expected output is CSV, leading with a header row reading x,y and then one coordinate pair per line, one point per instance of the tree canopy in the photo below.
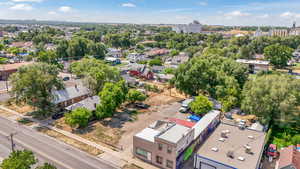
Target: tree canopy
x,y
273,98
78,117
278,55
96,73
135,95
19,160
201,105
33,84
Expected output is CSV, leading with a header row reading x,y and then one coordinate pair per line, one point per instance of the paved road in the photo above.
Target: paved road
x,y
48,149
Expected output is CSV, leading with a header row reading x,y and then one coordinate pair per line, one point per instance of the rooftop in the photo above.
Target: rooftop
x,y
201,125
289,156
174,134
257,62
148,134
237,140
88,103
69,93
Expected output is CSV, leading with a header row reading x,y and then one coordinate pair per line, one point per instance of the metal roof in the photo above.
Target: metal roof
x,y
174,134
88,103
69,93
201,125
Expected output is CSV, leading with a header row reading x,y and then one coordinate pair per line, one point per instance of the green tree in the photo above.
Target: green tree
x,y
78,117
33,84
273,98
201,105
49,57
155,62
98,50
61,50
278,55
135,95
78,47
46,166
95,73
19,160
111,96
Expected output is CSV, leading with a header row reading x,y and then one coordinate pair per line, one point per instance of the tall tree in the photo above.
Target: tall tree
x,y
111,96
278,55
19,160
78,117
33,84
273,98
201,105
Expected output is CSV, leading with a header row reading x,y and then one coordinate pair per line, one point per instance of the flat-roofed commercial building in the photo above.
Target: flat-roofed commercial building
x,y
168,144
230,147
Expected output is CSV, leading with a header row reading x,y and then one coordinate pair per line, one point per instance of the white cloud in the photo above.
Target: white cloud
x,y
237,14
130,5
27,0
24,7
203,3
52,13
290,15
65,9
264,16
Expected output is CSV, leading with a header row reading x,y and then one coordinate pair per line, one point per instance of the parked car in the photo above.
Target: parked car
x,y
141,105
66,78
57,116
185,105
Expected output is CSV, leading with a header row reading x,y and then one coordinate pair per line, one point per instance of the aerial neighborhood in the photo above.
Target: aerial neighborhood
x,y
146,96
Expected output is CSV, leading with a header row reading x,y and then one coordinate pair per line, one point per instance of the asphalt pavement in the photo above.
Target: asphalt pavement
x,y
47,149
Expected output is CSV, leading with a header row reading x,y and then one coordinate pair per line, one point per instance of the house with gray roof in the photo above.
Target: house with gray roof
x,y
89,103
70,95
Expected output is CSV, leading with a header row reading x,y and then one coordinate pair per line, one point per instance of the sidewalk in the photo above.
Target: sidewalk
x,y
119,159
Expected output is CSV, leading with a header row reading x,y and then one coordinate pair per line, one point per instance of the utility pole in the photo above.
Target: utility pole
x,y
12,142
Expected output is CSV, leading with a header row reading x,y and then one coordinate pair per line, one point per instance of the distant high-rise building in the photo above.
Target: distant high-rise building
x,y
258,32
1,34
294,31
195,27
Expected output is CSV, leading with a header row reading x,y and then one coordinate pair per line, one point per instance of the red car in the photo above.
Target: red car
x,y
272,151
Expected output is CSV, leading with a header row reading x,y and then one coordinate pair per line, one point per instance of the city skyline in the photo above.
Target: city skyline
x,y
212,12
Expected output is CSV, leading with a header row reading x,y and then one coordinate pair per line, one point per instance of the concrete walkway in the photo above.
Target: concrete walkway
x,y
119,159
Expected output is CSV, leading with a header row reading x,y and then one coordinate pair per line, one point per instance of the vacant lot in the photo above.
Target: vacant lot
x,y
84,147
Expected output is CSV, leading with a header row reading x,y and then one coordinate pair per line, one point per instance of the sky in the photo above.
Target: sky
x,y
212,12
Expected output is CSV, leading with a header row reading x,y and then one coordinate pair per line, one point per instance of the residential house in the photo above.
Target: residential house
x,y
178,59
231,147
255,65
113,52
7,69
70,95
157,52
141,71
113,60
130,81
157,69
289,158
136,57
89,103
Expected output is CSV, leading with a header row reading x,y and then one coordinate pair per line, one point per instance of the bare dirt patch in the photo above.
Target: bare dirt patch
x,y
5,113
132,166
20,108
156,99
99,132
84,147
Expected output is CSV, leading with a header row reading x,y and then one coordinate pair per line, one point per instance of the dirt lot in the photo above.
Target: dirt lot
x,y
22,109
84,147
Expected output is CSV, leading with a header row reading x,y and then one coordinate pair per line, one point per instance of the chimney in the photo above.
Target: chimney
x,y
95,105
76,87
